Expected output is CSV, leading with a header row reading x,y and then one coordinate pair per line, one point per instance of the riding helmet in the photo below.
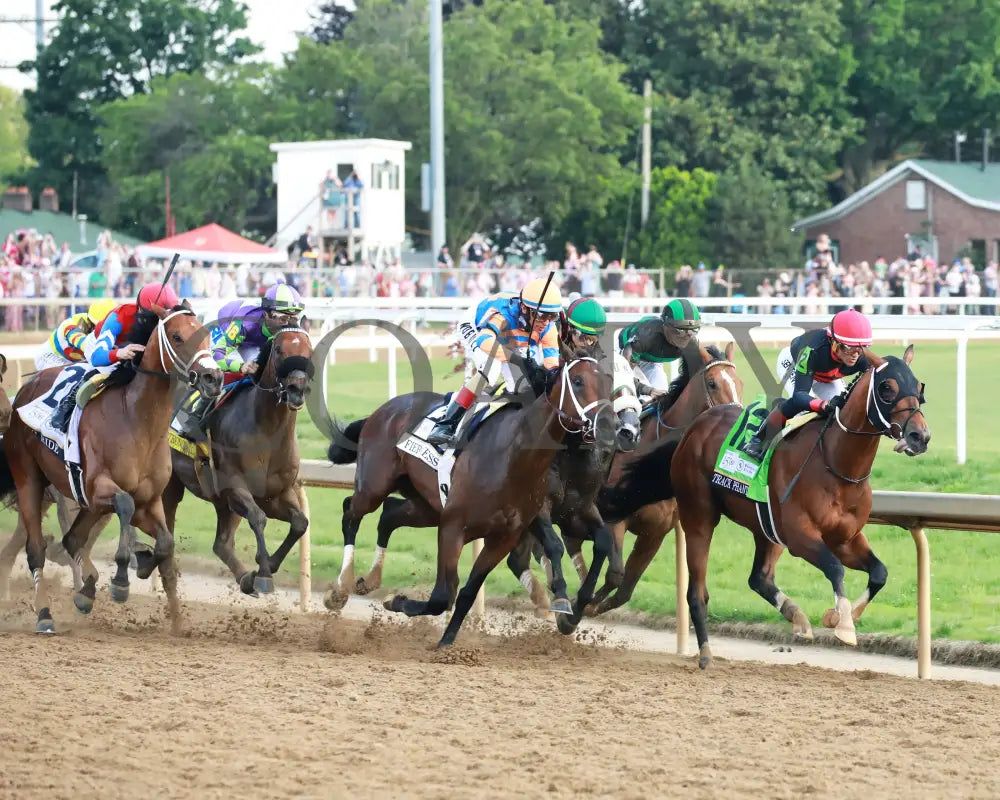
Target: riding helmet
x,y
681,313
587,316
531,297
851,328
157,294
282,297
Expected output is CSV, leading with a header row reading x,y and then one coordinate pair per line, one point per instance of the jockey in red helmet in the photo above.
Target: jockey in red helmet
x,y
112,338
821,359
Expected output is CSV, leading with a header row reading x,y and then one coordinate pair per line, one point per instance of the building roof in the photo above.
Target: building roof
x,y
966,180
212,242
340,144
62,227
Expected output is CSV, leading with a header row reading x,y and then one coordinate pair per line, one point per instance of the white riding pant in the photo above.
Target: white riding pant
x,y
492,369
785,370
46,358
653,374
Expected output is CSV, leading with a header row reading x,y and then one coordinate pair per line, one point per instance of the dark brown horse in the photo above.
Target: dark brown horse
x,y
712,382
256,457
124,454
500,483
5,409
823,468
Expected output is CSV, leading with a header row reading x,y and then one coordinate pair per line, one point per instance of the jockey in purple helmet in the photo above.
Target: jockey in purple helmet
x,y
238,335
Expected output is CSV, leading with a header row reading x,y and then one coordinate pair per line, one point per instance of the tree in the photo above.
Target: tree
x,y
105,50
740,78
14,159
329,22
924,71
674,234
211,136
748,221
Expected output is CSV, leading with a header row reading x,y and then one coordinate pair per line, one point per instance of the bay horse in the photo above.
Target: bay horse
x,y
577,474
499,485
828,500
710,380
124,454
256,456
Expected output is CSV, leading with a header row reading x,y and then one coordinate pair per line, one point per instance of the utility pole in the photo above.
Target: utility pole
x,y
647,143
959,138
39,26
437,127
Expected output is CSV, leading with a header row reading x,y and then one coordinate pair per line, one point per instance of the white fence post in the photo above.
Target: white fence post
x,y
960,386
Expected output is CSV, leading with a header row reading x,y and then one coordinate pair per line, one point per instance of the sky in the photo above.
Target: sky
x,y
271,23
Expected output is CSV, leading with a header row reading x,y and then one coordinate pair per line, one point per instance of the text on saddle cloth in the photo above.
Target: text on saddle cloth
x,y
66,447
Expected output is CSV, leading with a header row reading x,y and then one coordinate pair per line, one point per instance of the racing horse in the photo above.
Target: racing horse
x,y
256,458
818,502
576,475
124,454
502,485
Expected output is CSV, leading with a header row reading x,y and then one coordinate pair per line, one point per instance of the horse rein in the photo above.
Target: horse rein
x,y
708,396
585,425
887,426
203,356
280,389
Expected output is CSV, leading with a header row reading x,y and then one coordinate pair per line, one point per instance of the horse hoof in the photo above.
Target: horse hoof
x,y
831,618
394,603
847,635
801,626
334,600
145,563
704,657
119,593
592,610
561,605
45,623
264,584
83,603
361,587
565,625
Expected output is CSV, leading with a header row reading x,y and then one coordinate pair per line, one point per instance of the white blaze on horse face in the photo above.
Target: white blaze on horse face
x,y
207,362
732,388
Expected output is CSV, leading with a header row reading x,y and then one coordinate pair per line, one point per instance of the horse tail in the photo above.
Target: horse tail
x,y
7,485
339,453
646,480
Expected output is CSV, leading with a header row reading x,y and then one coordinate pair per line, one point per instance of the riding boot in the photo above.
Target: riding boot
x,y
759,443
193,426
63,412
443,433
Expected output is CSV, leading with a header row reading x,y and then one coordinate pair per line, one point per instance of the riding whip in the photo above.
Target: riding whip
x,y
166,278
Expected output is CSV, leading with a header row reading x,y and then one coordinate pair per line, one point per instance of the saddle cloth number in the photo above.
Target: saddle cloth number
x,y
68,381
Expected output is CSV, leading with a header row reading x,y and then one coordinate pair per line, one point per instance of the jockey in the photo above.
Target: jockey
x,y
653,341
65,345
500,323
112,339
241,330
822,358
583,321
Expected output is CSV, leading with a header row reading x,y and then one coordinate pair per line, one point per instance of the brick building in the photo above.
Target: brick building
x,y
944,208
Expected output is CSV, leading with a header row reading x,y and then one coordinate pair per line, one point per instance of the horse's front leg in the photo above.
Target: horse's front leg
x,y
287,507
241,502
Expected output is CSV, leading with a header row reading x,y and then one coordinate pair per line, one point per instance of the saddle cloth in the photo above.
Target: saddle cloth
x,y
37,415
740,472
443,459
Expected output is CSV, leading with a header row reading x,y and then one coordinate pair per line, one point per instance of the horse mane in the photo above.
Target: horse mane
x,y
677,386
142,331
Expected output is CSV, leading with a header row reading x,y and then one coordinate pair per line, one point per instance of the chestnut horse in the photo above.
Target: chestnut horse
x,y
828,494
500,482
256,457
124,454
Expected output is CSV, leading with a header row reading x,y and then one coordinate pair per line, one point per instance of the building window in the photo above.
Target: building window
x,y
916,196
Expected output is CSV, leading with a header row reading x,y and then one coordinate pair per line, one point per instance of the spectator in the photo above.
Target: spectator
x,y
444,259
332,198
354,182
613,279
683,281
701,280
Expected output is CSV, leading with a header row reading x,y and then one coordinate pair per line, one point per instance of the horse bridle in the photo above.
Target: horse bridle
x,y
585,425
884,425
281,388
708,396
203,356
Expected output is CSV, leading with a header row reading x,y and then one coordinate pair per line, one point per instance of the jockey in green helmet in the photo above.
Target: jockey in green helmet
x,y
653,341
584,321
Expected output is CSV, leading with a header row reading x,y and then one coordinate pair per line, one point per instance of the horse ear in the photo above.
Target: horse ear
x,y
908,355
730,350
186,304
160,311
564,351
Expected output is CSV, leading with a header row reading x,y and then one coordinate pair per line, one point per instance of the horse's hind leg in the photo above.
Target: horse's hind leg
x,y
414,512
451,539
647,545
553,548
29,506
494,549
152,520
616,571
519,563
857,554
588,521
761,580
74,541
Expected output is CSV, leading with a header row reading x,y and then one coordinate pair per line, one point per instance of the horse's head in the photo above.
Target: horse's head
x,y
626,404
288,365
721,384
580,393
893,404
179,346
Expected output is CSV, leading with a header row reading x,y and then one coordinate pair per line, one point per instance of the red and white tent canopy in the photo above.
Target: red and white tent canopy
x,y
212,243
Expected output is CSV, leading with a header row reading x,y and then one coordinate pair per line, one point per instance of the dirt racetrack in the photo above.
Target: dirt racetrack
x,y
262,703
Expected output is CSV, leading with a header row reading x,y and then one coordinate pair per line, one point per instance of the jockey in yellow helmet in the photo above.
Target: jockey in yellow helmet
x,y
499,324
65,344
